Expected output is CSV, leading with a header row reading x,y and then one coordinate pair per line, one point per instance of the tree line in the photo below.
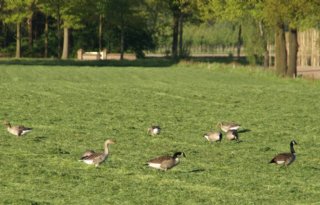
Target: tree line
x,y
45,28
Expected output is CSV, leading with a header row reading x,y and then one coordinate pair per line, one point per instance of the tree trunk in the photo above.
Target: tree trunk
x,y
175,34
65,50
266,57
30,32
2,33
265,45
18,42
280,50
293,52
59,31
239,43
46,37
122,41
181,52
100,32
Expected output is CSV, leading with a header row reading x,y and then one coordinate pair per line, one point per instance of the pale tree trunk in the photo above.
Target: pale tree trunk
x,y
65,50
30,32
265,45
18,41
46,37
293,52
280,50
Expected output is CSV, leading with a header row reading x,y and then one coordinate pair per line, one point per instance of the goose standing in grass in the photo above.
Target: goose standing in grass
x,y
154,130
226,126
97,158
232,135
87,154
286,158
165,162
213,136
18,130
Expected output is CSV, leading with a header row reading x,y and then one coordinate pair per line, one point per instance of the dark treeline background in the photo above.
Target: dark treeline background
x,y
58,28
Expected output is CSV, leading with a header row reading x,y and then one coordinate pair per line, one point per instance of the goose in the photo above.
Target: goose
x,y
87,153
18,130
286,158
226,126
97,158
213,136
154,130
165,162
232,135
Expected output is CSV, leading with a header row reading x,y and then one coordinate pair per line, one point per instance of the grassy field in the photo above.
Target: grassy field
x,y
74,108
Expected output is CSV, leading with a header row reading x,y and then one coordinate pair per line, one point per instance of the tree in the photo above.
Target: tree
x,y
180,10
16,11
123,15
238,12
287,16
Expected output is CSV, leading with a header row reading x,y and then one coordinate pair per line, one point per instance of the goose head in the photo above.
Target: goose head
x,y
179,154
108,142
293,142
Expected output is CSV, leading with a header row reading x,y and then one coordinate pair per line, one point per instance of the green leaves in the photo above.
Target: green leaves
x,y
15,11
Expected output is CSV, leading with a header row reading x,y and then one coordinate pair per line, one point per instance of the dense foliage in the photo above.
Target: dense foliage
x,y
35,27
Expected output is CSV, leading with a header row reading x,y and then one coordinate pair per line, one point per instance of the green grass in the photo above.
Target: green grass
x,y
75,108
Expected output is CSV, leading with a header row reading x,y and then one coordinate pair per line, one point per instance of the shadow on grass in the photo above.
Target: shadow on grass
x,y
244,130
146,62
220,59
197,170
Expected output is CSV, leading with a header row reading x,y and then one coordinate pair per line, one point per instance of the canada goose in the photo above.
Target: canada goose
x,y
232,135
97,158
154,130
286,158
213,136
226,126
18,130
165,162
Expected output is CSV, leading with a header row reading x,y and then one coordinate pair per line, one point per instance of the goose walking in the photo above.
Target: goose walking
x,y
213,136
18,130
165,162
226,126
285,158
91,157
154,130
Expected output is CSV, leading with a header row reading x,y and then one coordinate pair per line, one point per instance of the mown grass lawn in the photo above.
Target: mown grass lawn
x,y
74,108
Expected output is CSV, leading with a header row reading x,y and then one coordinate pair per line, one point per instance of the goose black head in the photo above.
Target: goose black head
x,y
293,142
179,154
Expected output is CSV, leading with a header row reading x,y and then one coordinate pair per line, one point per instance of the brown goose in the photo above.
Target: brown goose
x,y
213,136
154,130
285,158
226,126
165,162
232,135
97,158
18,130
87,154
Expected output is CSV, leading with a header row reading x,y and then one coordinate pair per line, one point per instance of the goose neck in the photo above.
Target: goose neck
x,y
292,149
